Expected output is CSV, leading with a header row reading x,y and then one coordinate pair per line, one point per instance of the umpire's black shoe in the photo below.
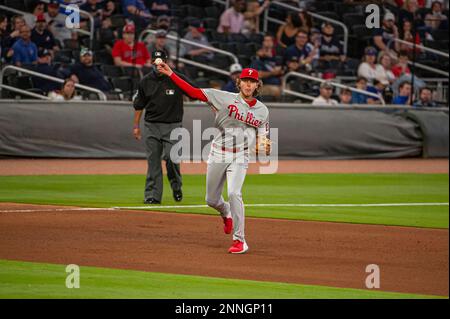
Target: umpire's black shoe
x,y
151,201
178,195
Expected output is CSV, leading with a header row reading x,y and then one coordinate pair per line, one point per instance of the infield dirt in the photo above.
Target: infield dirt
x,y
411,260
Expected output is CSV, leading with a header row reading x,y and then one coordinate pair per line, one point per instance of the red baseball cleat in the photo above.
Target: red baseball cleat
x,y
227,225
238,247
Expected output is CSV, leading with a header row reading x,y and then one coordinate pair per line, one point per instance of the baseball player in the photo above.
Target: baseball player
x,y
243,123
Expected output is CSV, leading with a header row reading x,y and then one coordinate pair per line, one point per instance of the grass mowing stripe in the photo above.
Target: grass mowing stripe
x,y
127,190
38,280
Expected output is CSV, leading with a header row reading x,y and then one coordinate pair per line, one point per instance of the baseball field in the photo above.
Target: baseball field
x,y
312,228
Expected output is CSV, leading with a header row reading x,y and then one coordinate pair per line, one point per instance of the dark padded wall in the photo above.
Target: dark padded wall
x,y
104,130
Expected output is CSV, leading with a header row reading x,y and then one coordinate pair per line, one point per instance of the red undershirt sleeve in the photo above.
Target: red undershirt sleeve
x,y
193,92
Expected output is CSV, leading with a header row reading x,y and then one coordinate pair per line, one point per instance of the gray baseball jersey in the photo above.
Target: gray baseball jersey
x,y
236,119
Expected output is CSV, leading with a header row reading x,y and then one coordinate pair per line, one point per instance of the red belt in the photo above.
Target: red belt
x,y
233,150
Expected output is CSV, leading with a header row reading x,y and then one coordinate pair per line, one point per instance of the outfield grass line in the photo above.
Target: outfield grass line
x,y
54,210
155,207
291,205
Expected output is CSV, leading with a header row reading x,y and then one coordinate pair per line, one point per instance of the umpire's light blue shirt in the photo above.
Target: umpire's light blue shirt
x,y
25,53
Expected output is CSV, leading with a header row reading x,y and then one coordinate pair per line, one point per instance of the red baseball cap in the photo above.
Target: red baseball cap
x,y
129,28
40,18
249,73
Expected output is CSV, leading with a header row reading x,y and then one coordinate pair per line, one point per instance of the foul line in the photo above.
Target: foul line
x,y
290,205
156,207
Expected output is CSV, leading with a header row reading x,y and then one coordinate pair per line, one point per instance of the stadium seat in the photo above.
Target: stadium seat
x,y
352,19
212,12
112,71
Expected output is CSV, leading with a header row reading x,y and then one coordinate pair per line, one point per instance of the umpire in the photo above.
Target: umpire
x,y
163,104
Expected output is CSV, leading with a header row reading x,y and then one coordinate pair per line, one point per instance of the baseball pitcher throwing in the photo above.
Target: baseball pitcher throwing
x,y
243,122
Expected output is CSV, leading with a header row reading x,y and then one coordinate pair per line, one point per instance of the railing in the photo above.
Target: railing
x,y
421,47
31,94
90,33
312,14
311,78
226,3
193,63
426,49
100,94
174,38
437,84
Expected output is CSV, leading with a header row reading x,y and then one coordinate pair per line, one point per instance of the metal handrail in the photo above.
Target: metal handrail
x,y
101,95
175,38
226,3
339,85
312,14
424,48
32,94
428,68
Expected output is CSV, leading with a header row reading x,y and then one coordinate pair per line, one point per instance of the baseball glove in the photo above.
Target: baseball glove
x,y
263,144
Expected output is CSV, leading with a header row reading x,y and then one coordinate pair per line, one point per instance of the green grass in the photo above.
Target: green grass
x,y
127,190
37,280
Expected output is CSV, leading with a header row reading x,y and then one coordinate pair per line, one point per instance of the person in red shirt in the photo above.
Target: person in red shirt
x,y
401,68
128,52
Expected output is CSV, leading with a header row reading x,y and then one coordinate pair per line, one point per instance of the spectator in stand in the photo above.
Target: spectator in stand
x,y
252,14
24,50
88,74
368,68
56,22
360,98
160,44
42,37
159,7
302,50
324,99
128,52
235,71
331,51
95,8
232,19
425,98
136,11
407,35
404,95
108,35
269,70
109,9
287,32
67,92
38,9
196,34
409,12
384,68
346,97
436,20
4,35
401,68
9,38
45,66
306,20
383,36
377,88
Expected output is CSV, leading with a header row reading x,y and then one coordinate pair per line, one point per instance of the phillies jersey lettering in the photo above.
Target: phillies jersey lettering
x,y
236,119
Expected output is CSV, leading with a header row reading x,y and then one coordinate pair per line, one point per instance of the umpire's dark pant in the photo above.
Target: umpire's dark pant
x,y
158,146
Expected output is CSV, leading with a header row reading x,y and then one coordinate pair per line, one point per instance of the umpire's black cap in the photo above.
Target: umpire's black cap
x,y
159,54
